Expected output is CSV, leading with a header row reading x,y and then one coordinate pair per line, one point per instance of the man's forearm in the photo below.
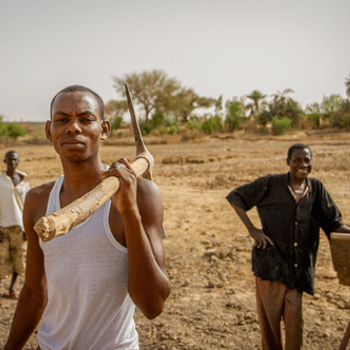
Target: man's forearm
x,y
148,284
244,217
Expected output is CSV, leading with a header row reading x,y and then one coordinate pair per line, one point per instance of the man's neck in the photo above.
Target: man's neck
x,y
15,176
295,182
81,177
11,173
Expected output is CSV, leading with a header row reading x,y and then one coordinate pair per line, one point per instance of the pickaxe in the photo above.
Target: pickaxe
x,y
63,220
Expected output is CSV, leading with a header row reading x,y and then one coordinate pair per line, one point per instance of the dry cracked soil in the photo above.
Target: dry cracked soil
x,y
212,303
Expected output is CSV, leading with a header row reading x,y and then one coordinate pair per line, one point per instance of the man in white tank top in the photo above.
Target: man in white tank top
x,y
85,285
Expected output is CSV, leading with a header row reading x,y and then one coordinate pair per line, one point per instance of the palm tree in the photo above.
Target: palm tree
x,y
347,85
280,99
281,106
258,101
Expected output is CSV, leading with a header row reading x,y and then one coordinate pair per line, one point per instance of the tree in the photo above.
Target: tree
x,y
218,106
345,106
281,100
331,104
313,108
281,106
347,85
114,111
186,101
255,106
3,128
158,93
115,108
330,108
148,89
14,130
340,117
235,113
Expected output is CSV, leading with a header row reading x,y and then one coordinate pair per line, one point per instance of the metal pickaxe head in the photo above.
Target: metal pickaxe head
x,y
141,150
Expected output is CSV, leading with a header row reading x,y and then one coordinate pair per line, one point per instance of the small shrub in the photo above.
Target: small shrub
x,y
235,113
232,122
116,122
174,129
212,124
157,120
162,130
194,125
170,130
281,125
315,118
341,120
14,130
145,127
264,130
193,117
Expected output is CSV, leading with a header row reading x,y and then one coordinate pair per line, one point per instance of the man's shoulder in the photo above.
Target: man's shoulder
x,y
314,182
272,177
22,173
148,194
314,179
5,181
41,191
146,186
279,176
316,185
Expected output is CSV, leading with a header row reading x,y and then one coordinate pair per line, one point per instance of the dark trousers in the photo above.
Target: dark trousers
x,y
275,301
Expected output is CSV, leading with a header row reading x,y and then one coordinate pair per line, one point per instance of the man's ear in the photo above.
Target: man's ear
x,y
288,161
48,130
105,129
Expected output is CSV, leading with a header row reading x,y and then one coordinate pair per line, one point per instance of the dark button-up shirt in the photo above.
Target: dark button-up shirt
x,y
293,228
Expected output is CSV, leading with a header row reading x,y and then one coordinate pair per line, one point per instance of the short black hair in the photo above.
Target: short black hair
x,y
300,146
74,88
10,152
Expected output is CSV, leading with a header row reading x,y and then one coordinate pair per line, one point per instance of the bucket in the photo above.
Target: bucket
x,y
340,250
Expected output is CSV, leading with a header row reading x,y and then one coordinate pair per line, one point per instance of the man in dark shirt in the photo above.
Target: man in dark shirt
x,y
292,209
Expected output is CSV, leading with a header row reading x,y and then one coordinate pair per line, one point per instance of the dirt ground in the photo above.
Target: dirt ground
x,y
212,303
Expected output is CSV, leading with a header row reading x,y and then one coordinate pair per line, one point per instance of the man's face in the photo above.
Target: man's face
x,y
76,126
11,161
300,163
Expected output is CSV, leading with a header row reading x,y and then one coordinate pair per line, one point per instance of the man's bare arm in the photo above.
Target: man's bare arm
x,y
33,297
140,205
260,239
149,285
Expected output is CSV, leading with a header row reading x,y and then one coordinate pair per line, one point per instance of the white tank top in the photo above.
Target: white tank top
x,y
89,306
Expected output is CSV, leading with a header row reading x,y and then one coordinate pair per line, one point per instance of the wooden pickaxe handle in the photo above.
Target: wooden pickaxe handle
x,y
340,236
65,219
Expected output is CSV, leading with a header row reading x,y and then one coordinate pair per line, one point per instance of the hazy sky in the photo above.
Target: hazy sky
x,y
228,47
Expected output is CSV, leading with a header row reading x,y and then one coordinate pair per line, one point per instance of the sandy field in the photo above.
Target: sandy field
x,y
212,303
